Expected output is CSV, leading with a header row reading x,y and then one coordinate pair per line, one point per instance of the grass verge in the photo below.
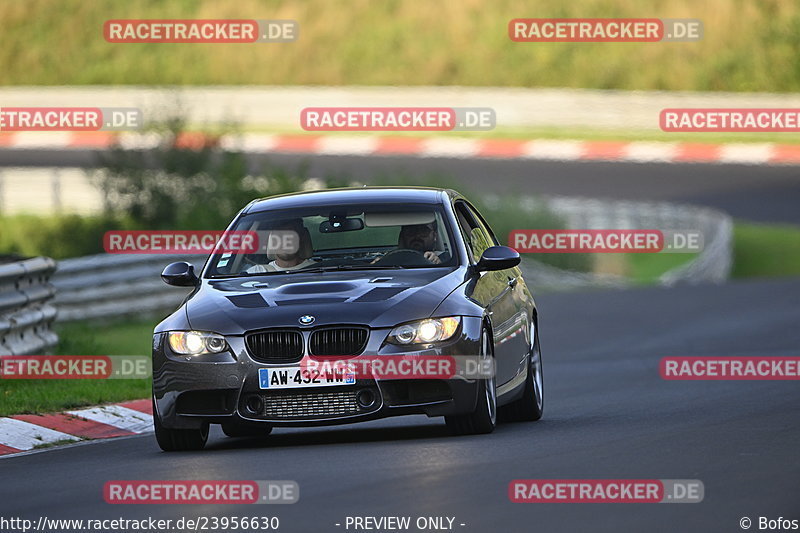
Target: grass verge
x,y
762,250
645,269
532,134
83,338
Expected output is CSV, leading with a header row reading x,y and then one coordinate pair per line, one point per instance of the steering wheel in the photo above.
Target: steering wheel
x,y
249,261
403,257
246,259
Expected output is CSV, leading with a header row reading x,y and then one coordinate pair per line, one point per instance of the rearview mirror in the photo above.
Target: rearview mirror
x,y
341,224
180,274
498,258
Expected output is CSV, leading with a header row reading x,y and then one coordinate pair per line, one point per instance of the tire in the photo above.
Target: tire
x,y
484,419
530,407
179,440
246,430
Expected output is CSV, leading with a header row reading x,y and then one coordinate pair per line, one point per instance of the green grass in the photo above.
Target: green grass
x,y
645,269
129,337
759,251
82,338
641,269
747,46
766,250
526,134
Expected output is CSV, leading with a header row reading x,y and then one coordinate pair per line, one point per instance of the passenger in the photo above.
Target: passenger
x,y
285,261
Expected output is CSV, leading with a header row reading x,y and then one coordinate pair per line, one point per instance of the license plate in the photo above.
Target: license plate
x,y
295,377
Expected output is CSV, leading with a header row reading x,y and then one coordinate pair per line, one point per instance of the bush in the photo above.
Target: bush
x,y
185,182
57,236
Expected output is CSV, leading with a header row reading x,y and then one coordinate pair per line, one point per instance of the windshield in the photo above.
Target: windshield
x,y
383,236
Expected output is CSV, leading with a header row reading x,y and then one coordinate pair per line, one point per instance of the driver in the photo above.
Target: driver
x,y
421,238
289,260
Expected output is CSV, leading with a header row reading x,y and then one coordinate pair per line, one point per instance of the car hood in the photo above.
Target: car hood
x,y
375,298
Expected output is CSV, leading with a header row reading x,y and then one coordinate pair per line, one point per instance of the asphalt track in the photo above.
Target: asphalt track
x,y
757,193
608,413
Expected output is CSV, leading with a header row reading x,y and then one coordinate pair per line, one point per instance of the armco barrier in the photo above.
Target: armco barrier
x,y
26,313
713,264
106,285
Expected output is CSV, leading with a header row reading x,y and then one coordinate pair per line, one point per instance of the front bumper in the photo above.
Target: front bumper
x,y
224,388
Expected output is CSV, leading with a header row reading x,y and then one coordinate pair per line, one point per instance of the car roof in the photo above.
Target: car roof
x,y
353,196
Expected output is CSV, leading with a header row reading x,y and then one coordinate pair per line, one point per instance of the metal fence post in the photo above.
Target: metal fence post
x,y
55,184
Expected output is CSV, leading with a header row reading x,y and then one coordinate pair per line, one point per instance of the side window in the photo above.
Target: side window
x,y
480,242
475,235
463,226
487,234
484,225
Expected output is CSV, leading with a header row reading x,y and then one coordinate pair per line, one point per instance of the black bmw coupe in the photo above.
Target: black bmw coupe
x,y
378,274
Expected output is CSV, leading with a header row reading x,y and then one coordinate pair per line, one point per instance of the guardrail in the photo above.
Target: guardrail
x,y
26,313
712,264
107,285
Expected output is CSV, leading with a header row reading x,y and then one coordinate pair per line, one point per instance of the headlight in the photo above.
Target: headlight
x,y
425,331
196,342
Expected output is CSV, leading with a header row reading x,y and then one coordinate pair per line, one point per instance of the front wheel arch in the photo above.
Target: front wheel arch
x,y
483,419
529,407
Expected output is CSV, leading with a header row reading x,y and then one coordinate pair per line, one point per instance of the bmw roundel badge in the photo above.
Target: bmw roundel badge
x,y
307,320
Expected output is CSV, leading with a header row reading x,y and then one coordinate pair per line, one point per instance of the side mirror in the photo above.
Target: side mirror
x,y
180,274
497,258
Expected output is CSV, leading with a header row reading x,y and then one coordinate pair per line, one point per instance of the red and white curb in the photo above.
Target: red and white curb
x,y
20,433
451,147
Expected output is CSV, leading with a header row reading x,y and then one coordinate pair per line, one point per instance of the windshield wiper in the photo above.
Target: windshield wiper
x,y
240,275
335,268
330,268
